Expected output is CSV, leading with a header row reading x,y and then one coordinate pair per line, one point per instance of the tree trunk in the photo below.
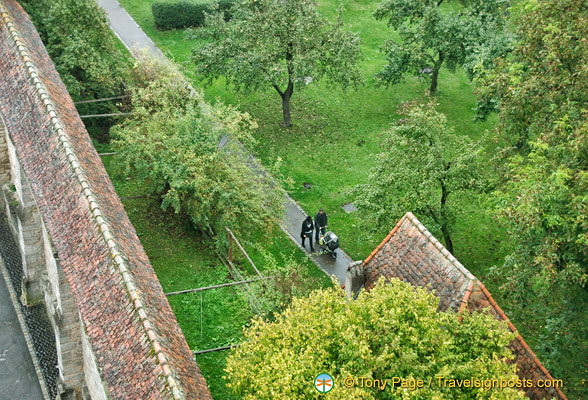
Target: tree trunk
x,y
435,75
447,238
444,222
434,78
286,104
290,89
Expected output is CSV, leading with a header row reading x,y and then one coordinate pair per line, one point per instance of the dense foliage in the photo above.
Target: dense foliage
x,y
174,141
436,32
279,44
393,330
287,278
174,14
541,94
423,162
84,52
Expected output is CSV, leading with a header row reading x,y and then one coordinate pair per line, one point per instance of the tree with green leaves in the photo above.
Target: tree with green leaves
x,y
541,194
83,48
278,44
173,142
433,33
394,330
423,162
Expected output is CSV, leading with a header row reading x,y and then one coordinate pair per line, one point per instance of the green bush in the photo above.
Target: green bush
x,y
172,14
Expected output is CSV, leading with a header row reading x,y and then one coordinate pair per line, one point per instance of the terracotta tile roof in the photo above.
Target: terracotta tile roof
x,y
413,255
139,347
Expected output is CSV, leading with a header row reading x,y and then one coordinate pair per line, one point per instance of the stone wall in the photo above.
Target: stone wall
x,y
4,161
23,210
94,386
45,280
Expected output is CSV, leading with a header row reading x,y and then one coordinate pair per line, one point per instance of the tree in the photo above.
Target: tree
x,y
540,93
394,330
280,44
437,32
544,78
541,195
423,162
83,48
171,141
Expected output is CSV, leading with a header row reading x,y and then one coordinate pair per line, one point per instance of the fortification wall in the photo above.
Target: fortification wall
x,y
44,279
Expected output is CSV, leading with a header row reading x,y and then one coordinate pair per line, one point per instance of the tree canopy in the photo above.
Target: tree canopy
x,y
394,330
83,48
540,93
423,162
541,194
84,52
433,33
173,141
278,44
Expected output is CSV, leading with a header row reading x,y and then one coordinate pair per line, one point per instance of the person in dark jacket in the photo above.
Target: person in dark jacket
x,y
320,223
306,232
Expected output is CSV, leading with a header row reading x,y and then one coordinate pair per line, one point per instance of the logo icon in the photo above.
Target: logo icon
x,y
324,383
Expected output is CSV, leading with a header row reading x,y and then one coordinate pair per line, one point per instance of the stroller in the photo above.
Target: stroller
x,y
329,243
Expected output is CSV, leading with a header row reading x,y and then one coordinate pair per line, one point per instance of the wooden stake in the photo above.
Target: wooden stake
x,y
201,289
243,251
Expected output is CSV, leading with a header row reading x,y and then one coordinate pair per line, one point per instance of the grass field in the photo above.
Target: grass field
x,y
336,133
332,145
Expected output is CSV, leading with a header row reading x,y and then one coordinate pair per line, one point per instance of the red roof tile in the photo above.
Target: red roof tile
x,y
413,255
139,347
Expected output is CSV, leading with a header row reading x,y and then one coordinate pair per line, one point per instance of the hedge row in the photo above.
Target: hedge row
x,y
173,14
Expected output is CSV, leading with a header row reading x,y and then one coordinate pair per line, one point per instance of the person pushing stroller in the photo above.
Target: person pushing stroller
x,y
306,232
320,224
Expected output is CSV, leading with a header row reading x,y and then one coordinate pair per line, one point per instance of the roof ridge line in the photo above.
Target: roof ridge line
x,y
95,213
466,295
518,337
448,256
383,242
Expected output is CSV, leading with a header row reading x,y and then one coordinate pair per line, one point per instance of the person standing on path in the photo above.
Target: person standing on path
x,y
320,224
306,232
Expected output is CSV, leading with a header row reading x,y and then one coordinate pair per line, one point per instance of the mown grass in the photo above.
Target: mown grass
x,y
336,133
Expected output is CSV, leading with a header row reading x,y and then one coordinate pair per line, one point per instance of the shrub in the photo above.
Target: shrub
x,y
172,14
170,141
86,55
394,330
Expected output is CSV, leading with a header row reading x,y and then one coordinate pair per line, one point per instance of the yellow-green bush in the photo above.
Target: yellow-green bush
x,y
394,330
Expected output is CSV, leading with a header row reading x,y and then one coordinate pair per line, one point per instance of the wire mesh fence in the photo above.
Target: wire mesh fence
x,y
35,316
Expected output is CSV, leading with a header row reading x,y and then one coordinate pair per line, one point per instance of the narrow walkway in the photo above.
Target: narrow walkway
x,y
127,30
133,37
18,378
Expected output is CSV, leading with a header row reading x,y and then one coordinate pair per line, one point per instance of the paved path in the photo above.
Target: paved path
x,y
134,38
127,30
18,379
293,222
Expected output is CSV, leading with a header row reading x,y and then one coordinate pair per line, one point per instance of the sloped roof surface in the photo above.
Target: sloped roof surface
x,y
139,347
411,253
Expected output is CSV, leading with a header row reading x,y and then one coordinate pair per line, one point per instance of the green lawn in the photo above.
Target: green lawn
x,y
332,145
336,133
